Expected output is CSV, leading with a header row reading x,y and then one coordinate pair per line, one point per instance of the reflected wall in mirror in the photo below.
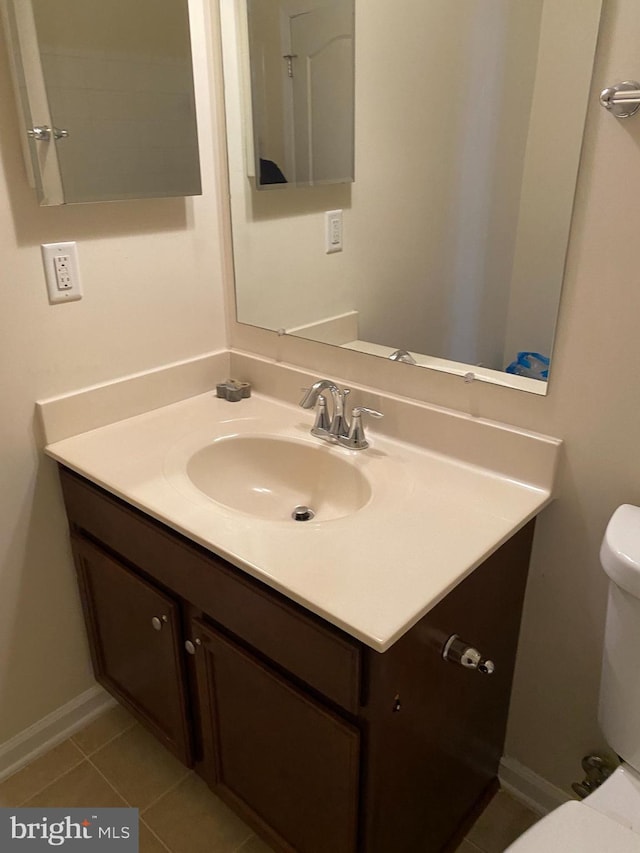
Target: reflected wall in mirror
x,y
302,91
106,90
469,124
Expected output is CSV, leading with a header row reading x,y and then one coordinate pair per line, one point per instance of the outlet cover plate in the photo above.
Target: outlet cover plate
x,y
63,278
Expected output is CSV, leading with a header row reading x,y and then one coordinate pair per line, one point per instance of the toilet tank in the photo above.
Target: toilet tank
x,y
619,709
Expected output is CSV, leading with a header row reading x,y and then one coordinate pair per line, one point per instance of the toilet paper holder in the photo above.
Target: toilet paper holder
x,y
458,651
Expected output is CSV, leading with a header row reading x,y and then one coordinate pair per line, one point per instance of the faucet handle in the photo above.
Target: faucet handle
x,y
321,425
364,410
356,439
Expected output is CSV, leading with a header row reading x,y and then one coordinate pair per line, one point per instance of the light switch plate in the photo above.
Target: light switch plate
x,y
62,272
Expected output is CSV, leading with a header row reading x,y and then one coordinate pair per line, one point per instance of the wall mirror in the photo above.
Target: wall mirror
x,y
106,94
469,119
302,91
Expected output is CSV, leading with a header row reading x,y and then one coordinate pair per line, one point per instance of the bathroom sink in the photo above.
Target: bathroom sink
x,y
272,477
406,523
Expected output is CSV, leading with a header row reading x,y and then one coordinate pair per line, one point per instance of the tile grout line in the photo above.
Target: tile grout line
x,y
51,782
246,841
121,795
83,756
110,784
157,837
172,788
168,791
106,743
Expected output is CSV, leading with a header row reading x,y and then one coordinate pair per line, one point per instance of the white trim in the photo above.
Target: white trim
x,y
52,729
533,790
339,329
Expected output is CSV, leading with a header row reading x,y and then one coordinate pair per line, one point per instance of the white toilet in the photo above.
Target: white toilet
x,y
608,820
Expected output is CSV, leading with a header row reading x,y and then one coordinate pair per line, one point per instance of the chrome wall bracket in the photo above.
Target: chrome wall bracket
x,y
42,133
622,100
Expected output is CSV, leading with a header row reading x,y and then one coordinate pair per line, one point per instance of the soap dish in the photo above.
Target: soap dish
x,y
233,390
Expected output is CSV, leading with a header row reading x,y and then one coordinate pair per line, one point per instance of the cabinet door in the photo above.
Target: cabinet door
x,y
289,764
134,636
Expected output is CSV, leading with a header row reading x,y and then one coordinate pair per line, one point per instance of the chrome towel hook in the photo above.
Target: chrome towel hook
x,y
622,100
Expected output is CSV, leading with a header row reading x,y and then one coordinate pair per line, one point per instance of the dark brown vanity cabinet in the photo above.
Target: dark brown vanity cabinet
x,y
135,638
276,751
322,744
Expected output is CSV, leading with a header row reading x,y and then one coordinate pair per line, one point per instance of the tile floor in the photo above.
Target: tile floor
x,y
114,762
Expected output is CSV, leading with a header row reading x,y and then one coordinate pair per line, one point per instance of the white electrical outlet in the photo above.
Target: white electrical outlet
x,y
62,271
333,234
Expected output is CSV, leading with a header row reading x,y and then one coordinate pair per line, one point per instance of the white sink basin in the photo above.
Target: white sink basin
x,y
269,477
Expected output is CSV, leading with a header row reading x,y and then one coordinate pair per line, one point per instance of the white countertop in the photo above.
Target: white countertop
x,y
430,521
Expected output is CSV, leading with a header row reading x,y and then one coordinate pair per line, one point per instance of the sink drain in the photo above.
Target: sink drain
x,y
302,513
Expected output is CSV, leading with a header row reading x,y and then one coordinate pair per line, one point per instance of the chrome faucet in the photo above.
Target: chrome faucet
x,y
338,426
337,429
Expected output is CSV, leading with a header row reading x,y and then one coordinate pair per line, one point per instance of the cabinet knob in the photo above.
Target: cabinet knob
x,y
464,654
192,647
158,622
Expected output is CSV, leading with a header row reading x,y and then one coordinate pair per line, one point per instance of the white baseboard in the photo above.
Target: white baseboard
x,y
533,790
52,729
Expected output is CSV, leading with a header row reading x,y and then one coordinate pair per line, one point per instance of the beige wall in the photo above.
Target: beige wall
x,y
443,94
152,295
276,232
593,404
550,170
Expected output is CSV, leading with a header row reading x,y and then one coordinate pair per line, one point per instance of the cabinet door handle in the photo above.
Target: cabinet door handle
x,y
192,647
158,622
